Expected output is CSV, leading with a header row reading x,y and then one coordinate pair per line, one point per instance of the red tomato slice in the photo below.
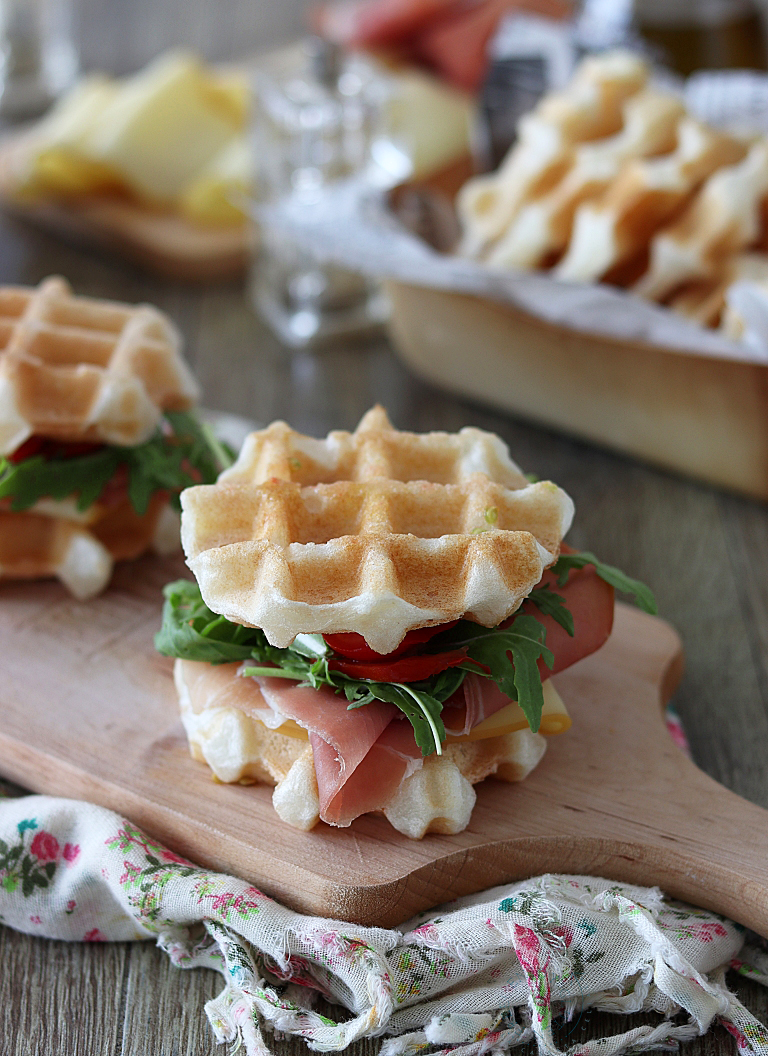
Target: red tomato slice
x,y
402,669
355,647
590,600
28,449
48,448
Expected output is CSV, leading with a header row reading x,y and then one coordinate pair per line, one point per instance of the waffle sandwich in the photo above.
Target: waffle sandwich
x,y
375,619
95,434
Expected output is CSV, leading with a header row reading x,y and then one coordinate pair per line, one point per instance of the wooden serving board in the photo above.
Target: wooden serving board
x,y
88,709
161,242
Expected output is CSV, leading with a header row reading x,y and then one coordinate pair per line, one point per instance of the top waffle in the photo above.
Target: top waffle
x,y
375,531
75,368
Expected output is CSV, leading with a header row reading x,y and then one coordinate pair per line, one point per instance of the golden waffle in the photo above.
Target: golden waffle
x,y
704,301
646,195
725,217
543,227
376,531
588,109
80,550
76,368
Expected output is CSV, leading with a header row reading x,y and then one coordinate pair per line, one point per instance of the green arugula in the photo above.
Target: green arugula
x,y
508,655
192,631
642,595
183,453
551,604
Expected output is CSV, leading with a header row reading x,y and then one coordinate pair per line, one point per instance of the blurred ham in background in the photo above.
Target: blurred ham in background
x,y
448,36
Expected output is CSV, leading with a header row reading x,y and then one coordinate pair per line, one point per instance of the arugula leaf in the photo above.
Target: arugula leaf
x,y
37,477
192,631
510,655
643,596
421,709
551,604
171,460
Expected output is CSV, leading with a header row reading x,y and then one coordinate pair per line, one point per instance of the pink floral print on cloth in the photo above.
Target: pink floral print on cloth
x,y
482,975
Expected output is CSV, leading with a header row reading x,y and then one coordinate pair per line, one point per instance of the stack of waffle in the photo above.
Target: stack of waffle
x,y
649,198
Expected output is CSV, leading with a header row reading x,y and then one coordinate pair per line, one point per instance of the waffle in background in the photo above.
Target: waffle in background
x,y
674,219
80,370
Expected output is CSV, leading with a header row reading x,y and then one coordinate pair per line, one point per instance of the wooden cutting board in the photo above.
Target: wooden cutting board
x,y
87,709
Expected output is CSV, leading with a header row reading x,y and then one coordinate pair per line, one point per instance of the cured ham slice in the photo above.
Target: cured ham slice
x,y
475,701
349,746
326,713
590,600
374,782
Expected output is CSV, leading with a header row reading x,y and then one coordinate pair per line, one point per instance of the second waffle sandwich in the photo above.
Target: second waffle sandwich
x,y
96,435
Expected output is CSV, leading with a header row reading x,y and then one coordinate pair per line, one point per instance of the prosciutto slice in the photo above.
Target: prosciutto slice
x,y
374,781
361,755
476,699
359,762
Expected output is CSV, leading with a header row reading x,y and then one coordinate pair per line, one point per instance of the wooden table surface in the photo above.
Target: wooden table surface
x,y
704,553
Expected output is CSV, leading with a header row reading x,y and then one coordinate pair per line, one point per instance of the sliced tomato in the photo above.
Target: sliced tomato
x,y
401,669
590,601
32,446
355,647
42,445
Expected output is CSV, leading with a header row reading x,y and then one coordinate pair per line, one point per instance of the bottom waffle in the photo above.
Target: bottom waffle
x,y
438,797
81,552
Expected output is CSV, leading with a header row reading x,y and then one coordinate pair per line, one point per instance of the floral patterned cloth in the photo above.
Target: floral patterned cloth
x,y
483,974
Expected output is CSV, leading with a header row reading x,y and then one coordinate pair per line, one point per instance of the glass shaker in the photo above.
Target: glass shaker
x,y
38,56
317,116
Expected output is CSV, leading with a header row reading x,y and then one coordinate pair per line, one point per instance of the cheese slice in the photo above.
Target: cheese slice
x,y
554,719
163,126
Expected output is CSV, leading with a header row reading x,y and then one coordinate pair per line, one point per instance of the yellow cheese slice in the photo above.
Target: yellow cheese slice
x,y
554,719
212,197
163,126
